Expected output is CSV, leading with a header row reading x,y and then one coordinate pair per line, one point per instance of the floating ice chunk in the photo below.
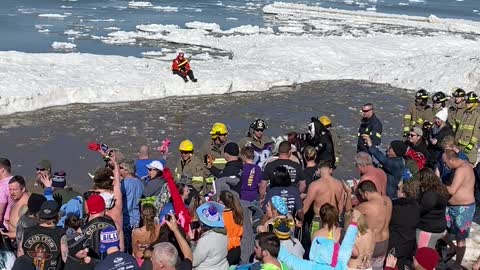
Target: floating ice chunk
x,y
403,4
416,1
139,4
66,7
166,8
65,46
101,20
155,28
198,10
43,30
203,25
291,29
244,29
72,32
372,8
41,26
52,16
152,53
232,19
348,2
112,28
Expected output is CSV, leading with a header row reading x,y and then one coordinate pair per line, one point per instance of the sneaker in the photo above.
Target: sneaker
x,y
194,80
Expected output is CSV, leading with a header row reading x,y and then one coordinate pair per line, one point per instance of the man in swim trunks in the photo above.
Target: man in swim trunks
x,y
327,189
378,211
461,208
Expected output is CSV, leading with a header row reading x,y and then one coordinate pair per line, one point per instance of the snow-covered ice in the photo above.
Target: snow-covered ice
x,y
431,22
203,25
257,63
155,28
66,46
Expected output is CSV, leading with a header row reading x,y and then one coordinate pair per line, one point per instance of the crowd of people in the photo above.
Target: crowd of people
x,y
258,203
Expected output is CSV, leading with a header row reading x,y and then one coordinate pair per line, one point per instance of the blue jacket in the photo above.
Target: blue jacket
x,y
321,253
393,167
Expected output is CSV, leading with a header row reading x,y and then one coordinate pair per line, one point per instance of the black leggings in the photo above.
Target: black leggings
x,y
233,256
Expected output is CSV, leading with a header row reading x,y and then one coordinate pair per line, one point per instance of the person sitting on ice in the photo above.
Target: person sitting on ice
x,y
181,67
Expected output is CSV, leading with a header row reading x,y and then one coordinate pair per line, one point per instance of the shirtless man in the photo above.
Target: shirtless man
x,y
19,195
378,211
327,189
461,207
367,171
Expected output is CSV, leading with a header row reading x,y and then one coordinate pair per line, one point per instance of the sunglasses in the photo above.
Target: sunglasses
x,y
365,111
259,130
41,169
185,152
412,135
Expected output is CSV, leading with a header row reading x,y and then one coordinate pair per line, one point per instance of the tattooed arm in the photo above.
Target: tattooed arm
x,y
64,248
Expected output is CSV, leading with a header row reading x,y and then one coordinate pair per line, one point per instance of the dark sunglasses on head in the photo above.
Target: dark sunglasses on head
x,y
41,169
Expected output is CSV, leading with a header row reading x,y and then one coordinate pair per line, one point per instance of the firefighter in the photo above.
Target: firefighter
x,y
417,112
190,169
181,67
213,149
261,143
455,112
468,131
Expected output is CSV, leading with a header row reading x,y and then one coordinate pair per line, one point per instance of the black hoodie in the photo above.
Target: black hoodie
x,y
403,226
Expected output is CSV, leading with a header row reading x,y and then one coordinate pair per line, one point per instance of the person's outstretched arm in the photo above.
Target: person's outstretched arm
x,y
178,205
182,242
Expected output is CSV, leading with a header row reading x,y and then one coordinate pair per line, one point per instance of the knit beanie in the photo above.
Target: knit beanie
x,y
442,114
427,258
399,147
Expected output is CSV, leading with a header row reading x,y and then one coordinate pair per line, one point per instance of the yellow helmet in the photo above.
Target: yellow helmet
x,y
186,146
218,129
325,120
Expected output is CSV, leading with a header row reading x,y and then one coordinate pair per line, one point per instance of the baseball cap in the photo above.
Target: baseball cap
x,y
44,164
95,204
49,210
155,165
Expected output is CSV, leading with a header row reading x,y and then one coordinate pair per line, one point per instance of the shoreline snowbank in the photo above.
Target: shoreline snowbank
x,y
260,62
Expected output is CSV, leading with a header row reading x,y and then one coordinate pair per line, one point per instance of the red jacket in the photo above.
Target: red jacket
x,y
179,64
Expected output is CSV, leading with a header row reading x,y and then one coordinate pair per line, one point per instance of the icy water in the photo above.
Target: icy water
x,y
28,25
61,134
